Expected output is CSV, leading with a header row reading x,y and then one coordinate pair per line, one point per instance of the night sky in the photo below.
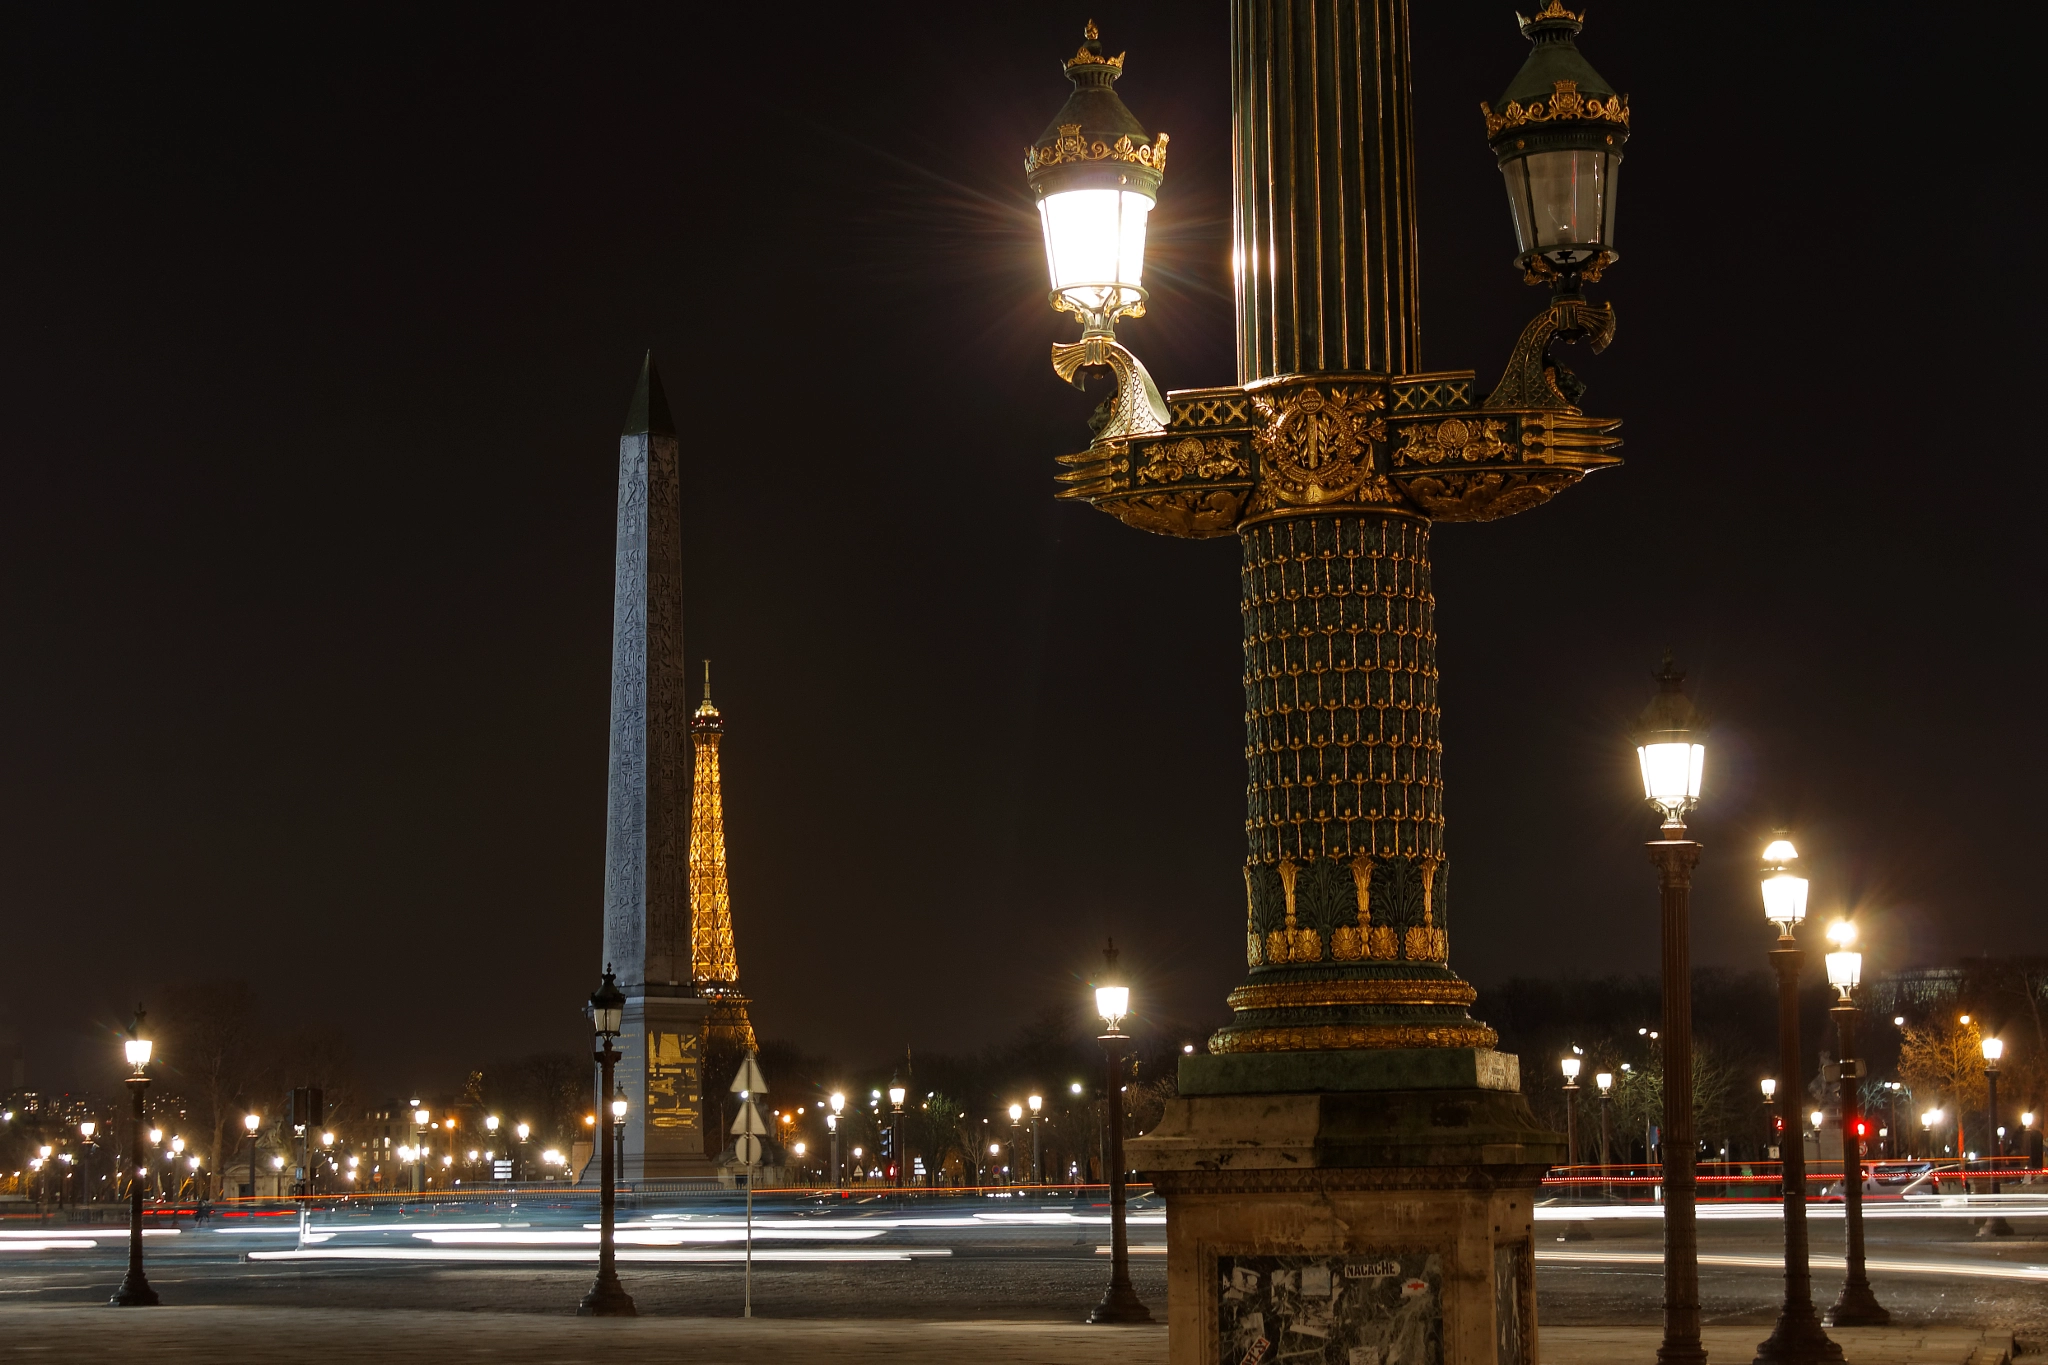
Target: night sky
x,y
318,332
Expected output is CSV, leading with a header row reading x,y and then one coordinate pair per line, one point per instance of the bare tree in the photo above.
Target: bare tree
x,y
1945,1058
207,1036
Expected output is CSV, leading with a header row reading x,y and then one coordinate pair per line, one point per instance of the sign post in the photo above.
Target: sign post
x,y
748,1129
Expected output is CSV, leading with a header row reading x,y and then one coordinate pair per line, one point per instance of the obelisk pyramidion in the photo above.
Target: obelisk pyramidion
x,y
646,886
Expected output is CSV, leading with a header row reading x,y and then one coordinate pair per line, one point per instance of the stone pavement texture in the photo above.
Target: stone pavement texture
x,y
256,1336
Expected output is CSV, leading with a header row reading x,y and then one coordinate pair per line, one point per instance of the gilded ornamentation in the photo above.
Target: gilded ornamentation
x,y
1137,409
1566,105
1454,438
1191,513
1217,457
1318,446
1229,410
1486,494
1101,471
1070,147
1425,395
1311,995
1254,952
1556,11
1569,439
1292,944
1365,940
1427,942
1531,377
1320,1037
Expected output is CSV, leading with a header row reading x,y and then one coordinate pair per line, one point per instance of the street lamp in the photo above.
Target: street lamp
x,y
1857,1306
1120,1302
1570,1066
896,1094
1797,1339
1994,1048
252,1122
607,1298
1036,1102
1605,1080
619,1107
135,1291
1769,1086
838,1103
1673,761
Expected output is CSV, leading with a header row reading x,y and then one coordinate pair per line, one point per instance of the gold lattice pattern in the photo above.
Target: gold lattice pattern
x,y
1342,727
714,961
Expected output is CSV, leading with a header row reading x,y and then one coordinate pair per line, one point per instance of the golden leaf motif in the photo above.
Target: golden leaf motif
x,y
1455,438
1566,104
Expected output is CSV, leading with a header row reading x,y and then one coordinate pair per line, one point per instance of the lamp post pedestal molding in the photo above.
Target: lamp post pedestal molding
x,y
1857,1306
1798,1338
135,1291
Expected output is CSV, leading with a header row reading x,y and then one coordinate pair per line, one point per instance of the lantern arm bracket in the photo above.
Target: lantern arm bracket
x,y
1137,408
1534,379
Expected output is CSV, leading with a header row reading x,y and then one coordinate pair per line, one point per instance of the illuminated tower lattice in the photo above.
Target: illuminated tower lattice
x,y
715,965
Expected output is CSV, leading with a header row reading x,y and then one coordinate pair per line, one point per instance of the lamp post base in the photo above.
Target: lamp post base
x,y
1994,1226
1858,1307
1798,1340
134,1293
1120,1303
607,1299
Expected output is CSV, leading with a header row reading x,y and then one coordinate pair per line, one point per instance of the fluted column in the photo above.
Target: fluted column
x,y
1325,202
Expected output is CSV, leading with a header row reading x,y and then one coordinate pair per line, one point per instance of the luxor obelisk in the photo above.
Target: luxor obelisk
x,y
646,896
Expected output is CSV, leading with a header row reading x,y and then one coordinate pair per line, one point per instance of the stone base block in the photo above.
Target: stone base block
x,y
1368,1227
662,1073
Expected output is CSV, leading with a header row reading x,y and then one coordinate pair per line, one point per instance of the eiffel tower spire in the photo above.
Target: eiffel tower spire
x,y
715,966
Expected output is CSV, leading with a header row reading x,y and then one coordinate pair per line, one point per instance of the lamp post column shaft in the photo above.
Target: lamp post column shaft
x,y
607,1298
1120,1302
1991,1144
1675,857
252,1163
1798,1336
135,1291
1857,1306
1606,1144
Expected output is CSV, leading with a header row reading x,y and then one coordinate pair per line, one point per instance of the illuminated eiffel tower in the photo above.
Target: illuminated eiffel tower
x,y
715,964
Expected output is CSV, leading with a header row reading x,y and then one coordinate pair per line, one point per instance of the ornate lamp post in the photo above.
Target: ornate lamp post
x,y
1330,459
1673,760
1994,1049
1798,1337
619,1107
1769,1086
1857,1306
607,1298
1120,1302
1016,1130
135,1291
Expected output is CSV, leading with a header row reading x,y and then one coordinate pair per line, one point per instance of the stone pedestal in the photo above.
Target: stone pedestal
x,y
661,1042
1354,1206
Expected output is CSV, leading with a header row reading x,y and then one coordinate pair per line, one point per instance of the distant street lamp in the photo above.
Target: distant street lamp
x,y
420,1119
1798,1338
1037,1102
1016,1126
1769,1085
1994,1048
1120,1302
1673,761
619,1107
1570,1066
252,1122
896,1094
135,1291
607,1298
1605,1080
1857,1306
522,1131
838,1102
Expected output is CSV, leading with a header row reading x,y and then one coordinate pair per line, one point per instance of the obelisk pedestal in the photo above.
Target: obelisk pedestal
x,y
646,905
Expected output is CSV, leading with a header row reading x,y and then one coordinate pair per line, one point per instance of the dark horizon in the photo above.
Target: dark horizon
x,y
324,327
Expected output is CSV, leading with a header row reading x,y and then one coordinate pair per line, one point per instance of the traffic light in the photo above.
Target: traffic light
x,y
1778,1124
1862,1129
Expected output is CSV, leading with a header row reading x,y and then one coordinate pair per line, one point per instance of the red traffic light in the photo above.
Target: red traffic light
x,y
1862,1128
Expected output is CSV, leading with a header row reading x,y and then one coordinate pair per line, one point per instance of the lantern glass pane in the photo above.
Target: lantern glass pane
x,y
1671,773
1845,970
1094,242
1111,1002
1784,898
1562,199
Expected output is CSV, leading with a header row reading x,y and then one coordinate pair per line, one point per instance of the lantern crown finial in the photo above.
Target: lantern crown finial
x,y
1554,19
